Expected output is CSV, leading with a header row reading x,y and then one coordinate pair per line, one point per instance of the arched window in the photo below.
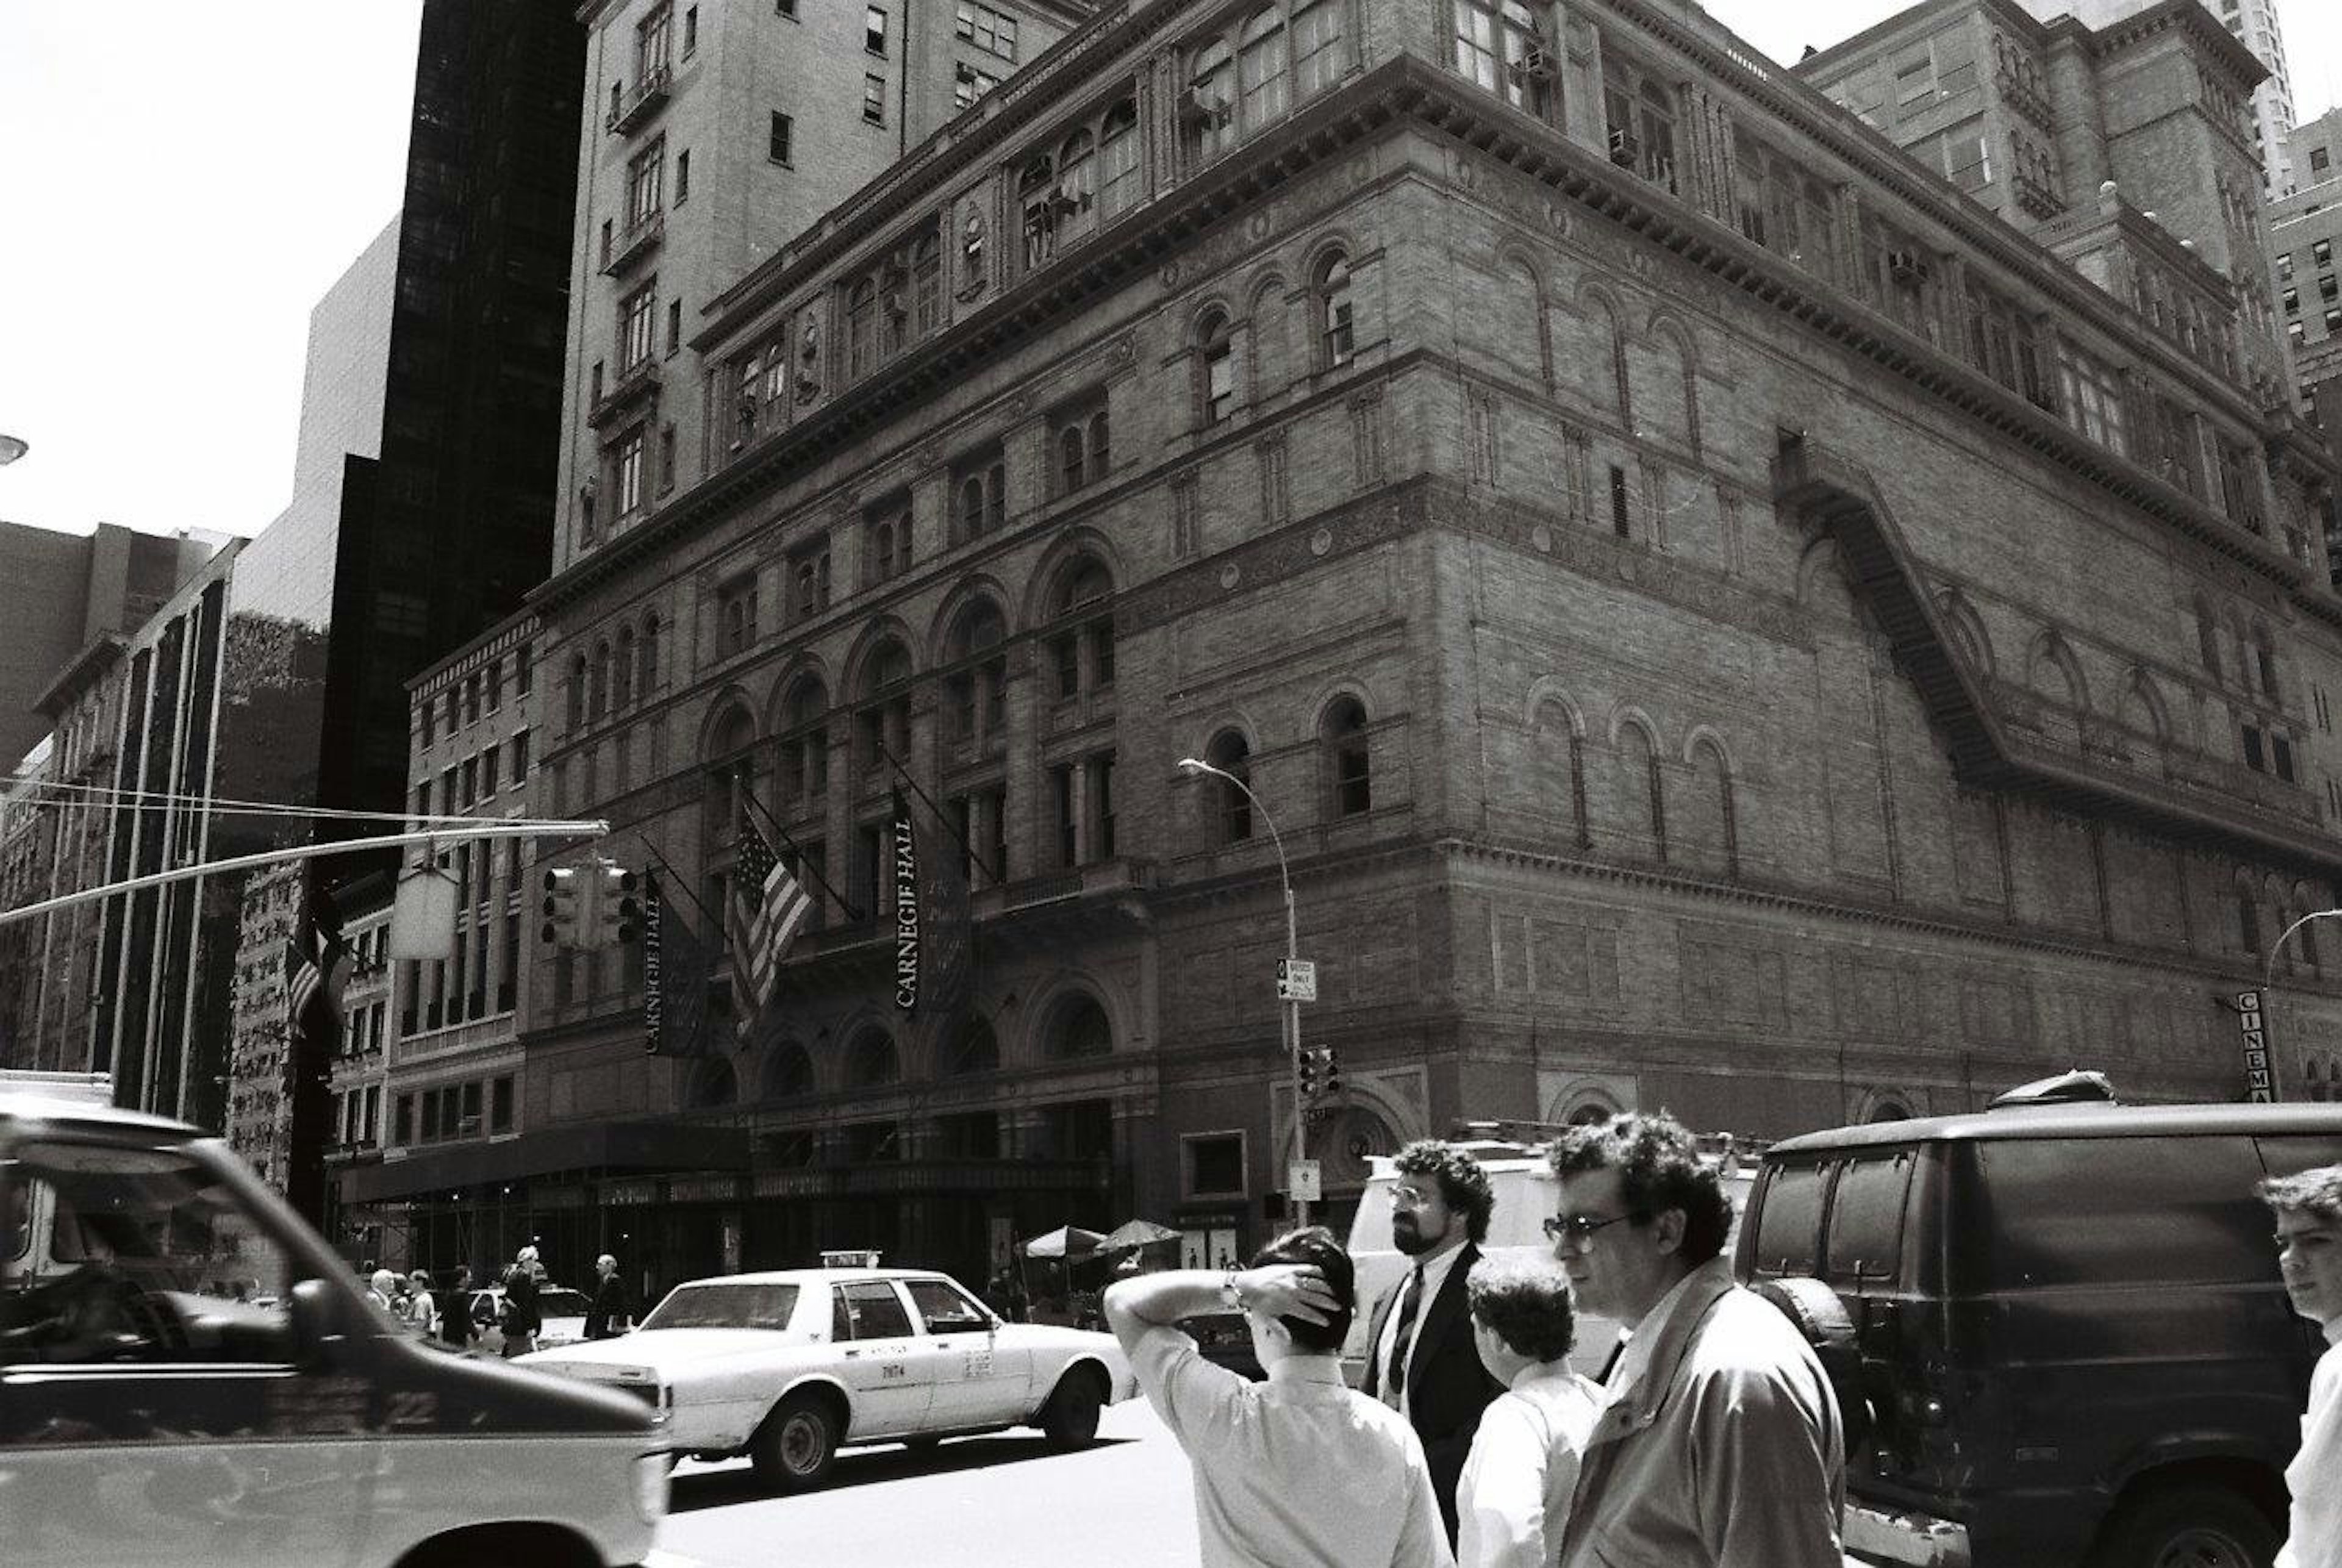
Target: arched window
x,y
1260,68
1215,376
728,757
928,283
2208,637
1231,754
577,692
976,692
598,701
646,676
1101,448
862,329
1069,459
1318,56
883,721
969,519
1081,638
1037,198
1641,802
1079,1031
1890,1111
1713,829
788,1073
873,1062
623,668
1120,184
804,740
975,1049
1561,769
2265,660
1350,759
1208,107
1077,196
1334,336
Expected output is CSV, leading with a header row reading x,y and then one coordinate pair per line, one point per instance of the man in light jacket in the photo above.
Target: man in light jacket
x,y
1720,1444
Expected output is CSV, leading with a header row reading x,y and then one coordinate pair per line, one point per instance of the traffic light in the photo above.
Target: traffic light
x,y
563,907
1329,1076
617,913
1305,1070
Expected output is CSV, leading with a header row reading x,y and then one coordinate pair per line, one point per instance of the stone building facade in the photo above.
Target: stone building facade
x,y
2306,232
1715,620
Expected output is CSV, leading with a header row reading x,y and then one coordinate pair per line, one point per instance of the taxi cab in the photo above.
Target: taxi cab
x,y
187,1375
788,1366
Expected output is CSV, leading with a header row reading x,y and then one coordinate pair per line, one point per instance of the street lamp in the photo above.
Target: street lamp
x,y
1192,766
2268,983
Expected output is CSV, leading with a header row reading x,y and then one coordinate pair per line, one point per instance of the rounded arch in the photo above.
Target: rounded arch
x,y
1527,305
1548,692
969,590
2050,651
1968,630
1627,717
1822,585
730,726
872,1059
787,1073
1586,1103
1665,323
1269,342
1058,1002
1049,572
1268,279
881,632
1888,1104
2144,708
786,709
712,1084
1214,307
1707,738
1076,1028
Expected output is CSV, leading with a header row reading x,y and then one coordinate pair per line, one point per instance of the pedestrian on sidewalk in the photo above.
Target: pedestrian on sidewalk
x,y
1421,1359
2309,1210
383,1290
1300,1471
609,1315
456,1329
421,1312
1719,1442
1512,1499
522,1317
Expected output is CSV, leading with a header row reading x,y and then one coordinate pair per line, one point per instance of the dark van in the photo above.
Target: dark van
x,y
2071,1334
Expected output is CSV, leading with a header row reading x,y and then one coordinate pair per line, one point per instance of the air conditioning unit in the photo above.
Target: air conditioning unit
x,y
1906,267
1534,65
1203,108
897,307
1624,149
1064,201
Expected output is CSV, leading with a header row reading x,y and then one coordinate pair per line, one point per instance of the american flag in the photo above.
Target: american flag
x,y
315,963
761,919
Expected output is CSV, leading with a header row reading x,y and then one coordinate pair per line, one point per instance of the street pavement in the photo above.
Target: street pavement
x,y
998,1502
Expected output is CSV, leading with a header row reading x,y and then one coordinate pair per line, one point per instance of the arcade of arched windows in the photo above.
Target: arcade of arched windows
x,y
618,671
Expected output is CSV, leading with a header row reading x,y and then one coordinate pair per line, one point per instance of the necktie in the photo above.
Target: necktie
x,y
1408,1301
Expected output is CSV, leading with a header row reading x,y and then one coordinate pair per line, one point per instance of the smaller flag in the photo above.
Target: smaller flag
x,y
766,909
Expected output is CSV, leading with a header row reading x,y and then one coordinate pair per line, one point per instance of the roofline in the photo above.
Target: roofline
x,y
2113,1121
2017,15
96,657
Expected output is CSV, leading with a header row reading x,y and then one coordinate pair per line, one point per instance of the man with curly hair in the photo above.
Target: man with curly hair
x,y
1422,1359
2308,1210
1720,1442
1514,1497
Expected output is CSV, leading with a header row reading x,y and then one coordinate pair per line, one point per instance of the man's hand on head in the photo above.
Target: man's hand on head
x,y
1289,1290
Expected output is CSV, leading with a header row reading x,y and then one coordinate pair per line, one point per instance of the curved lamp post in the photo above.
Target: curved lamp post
x,y
2269,985
1193,766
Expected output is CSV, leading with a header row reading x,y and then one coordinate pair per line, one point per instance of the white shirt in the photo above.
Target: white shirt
x,y
1299,1471
2315,1537
1636,1359
1435,1275
1514,1498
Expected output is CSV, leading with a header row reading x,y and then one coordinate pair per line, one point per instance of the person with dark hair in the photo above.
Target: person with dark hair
x,y
1300,1471
1514,1497
1719,1441
1421,1358
456,1329
2308,1212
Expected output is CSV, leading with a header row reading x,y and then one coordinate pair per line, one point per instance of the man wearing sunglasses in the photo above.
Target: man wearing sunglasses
x,y
1720,1440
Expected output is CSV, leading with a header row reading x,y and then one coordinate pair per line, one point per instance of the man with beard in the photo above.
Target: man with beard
x,y
1719,1443
1422,1357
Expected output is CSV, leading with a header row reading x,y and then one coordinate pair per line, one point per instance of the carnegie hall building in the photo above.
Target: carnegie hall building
x,y
1719,610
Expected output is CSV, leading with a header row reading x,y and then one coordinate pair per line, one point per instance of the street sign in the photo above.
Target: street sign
x,y
1296,980
1301,1182
2259,1088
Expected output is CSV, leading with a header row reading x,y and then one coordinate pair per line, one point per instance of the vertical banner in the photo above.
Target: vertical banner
x,y
906,908
2259,1088
947,964
654,992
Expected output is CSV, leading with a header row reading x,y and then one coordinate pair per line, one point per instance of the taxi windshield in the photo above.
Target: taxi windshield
x,y
727,1305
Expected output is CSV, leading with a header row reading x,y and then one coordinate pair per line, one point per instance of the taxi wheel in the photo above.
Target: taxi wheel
x,y
1070,1418
796,1446
2190,1527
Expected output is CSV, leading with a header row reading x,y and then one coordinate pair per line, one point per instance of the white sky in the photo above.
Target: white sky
x,y
179,193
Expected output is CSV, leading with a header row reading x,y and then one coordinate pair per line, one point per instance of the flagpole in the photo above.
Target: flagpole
x,y
682,886
949,826
805,862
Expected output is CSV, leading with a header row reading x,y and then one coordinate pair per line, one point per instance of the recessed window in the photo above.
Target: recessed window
x,y
777,144
874,100
1348,757
1215,1165
682,176
874,29
993,32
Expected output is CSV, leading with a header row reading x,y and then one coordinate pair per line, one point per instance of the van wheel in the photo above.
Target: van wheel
x,y
796,1446
1070,1418
2190,1527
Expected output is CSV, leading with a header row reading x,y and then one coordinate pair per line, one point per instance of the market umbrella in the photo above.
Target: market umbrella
x,y
1136,1233
1065,1242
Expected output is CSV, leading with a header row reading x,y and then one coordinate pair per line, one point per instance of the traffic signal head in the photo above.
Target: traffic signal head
x,y
1305,1075
1329,1076
563,901
617,912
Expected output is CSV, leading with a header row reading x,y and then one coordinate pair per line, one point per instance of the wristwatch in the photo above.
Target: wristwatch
x,y
1228,1291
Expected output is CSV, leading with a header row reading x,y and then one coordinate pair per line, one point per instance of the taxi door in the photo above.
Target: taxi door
x,y
885,1362
979,1381
151,1411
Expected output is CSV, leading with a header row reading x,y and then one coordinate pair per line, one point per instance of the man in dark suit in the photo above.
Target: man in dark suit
x,y
608,1315
1421,1358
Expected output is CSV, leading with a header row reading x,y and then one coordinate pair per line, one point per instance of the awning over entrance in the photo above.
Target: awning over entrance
x,y
592,1146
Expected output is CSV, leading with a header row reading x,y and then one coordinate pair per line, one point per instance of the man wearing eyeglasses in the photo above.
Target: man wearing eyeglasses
x,y
1423,1359
1720,1442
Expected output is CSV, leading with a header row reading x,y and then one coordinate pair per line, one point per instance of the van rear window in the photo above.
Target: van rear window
x,y
2114,1211
1865,1222
1791,1222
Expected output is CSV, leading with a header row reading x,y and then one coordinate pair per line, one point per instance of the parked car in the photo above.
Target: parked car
x,y
2067,1320
789,1366
188,1375
563,1310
